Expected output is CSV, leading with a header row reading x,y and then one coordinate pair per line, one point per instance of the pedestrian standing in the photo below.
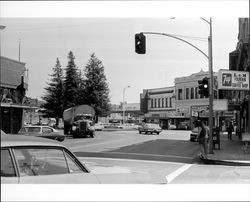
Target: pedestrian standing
x,y
230,130
202,139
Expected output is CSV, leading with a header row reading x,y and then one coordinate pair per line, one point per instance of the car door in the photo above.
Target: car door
x,y
51,166
48,132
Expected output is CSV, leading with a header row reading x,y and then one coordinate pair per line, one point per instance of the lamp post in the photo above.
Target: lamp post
x,y
123,107
2,27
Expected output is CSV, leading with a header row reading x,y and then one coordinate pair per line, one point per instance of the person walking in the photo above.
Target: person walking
x,y
230,130
202,139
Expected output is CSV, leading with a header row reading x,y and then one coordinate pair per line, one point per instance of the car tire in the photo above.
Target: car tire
x,y
139,132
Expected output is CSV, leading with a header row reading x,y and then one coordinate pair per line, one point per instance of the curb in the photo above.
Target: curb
x,y
224,162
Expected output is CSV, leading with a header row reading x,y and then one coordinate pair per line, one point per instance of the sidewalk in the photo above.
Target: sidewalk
x,y
231,152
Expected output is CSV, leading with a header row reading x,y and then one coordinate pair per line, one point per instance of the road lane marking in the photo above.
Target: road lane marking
x,y
176,173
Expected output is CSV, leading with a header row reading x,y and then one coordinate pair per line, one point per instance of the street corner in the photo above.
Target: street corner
x,y
213,161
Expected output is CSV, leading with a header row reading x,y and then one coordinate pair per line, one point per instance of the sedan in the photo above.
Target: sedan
x,y
42,131
29,160
194,135
149,128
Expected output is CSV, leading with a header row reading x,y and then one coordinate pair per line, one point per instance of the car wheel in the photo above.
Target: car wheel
x,y
151,132
139,132
157,133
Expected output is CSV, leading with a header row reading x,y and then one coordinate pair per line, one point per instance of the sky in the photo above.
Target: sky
x,y
49,30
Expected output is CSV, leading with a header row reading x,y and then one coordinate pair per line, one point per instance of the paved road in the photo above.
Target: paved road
x,y
169,156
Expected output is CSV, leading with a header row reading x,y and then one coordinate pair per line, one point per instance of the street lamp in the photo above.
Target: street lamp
x,y
123,107
2,27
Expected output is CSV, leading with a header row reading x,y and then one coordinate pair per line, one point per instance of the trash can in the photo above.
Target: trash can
x,y
216,138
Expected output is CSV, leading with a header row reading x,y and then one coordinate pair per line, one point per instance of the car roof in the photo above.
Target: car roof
x,y
10,140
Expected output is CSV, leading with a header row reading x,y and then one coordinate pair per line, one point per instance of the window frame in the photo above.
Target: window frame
x,y
70,154
15,166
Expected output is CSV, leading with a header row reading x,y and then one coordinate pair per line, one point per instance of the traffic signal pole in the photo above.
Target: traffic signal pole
x,y
210,64
211,89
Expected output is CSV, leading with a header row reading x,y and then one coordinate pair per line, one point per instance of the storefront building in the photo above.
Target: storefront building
x,y
239,60
158,105
13,85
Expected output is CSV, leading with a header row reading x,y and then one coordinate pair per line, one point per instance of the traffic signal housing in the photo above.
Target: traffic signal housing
x,y
140,43
204,87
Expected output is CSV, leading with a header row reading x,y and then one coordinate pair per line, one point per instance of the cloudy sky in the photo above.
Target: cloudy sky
x,y
49,30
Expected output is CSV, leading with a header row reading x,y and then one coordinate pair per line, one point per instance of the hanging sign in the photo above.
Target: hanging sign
x,y
233,80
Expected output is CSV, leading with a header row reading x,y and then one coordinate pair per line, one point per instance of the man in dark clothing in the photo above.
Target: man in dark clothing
x,y
230,130
202,139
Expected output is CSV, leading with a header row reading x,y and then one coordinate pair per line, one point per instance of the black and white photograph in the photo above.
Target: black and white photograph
x,y
125,100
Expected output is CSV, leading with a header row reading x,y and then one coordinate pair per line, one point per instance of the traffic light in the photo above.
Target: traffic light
x,y
140,43
203,87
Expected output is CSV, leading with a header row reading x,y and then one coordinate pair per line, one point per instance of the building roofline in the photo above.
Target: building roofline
x,y
23,63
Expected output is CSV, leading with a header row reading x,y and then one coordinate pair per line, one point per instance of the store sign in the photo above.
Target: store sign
x,y
233,80
202,110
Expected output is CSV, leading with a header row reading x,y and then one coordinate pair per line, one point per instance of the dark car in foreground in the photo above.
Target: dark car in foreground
x,y
42,131
149,128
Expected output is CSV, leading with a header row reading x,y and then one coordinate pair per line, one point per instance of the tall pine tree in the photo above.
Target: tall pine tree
x,y
71,83
96,88
54,93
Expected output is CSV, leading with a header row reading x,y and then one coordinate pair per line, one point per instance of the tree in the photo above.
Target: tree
x,y
54,93
96,89
71,83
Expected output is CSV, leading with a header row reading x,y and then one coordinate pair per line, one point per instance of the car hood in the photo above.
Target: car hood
x,y
108,174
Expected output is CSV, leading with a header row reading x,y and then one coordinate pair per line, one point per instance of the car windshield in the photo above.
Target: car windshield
x,y
153,126
30,130
44,161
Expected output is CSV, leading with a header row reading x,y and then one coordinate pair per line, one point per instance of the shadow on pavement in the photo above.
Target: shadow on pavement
x,y
181,151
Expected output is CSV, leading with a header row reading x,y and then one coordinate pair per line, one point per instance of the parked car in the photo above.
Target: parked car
x,y
31,160
42,131
172,127
99,126
194,134
149,128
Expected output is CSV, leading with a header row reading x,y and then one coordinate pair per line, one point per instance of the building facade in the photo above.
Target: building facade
x,y
13,85
239,60
188,101
158,105
132,113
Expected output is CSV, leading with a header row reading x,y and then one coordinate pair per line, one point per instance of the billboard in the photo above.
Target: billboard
x,y
233,80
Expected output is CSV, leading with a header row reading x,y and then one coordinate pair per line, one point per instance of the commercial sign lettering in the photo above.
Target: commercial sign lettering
x,y
233,80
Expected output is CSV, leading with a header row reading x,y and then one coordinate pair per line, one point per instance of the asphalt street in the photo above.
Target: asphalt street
x,y
169,157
